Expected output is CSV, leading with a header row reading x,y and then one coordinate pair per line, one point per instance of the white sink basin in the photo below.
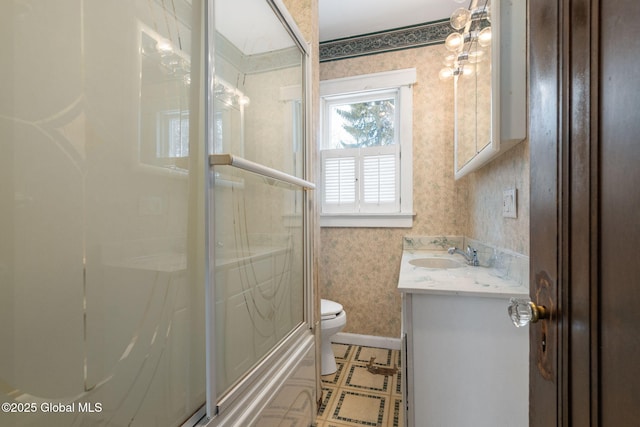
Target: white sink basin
x,y
440,263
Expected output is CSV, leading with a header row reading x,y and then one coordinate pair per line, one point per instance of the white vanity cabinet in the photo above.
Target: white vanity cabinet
x,y
466,364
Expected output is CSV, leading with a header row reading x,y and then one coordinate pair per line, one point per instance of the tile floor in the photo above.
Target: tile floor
x,y
355,397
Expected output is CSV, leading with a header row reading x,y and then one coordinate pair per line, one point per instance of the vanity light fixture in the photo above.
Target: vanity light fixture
x,y
447,72
164,46
229,95
454,42
484,37
461,17
473,33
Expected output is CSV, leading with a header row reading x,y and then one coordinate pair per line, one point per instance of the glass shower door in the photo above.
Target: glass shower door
x,y
259,236
259,282
102,266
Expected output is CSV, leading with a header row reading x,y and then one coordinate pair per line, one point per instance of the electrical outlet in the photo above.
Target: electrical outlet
x,y
509,203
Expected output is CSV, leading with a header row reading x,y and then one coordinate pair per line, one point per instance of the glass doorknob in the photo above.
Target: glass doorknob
x,y
522,311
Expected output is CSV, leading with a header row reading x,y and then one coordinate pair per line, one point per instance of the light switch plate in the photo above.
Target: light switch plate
x,y
509,203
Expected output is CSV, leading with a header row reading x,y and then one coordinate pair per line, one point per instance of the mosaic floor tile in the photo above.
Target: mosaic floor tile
x,y
328,397
354,397
359,377
383,356
332,424
342,351
360,408
397,412
335,378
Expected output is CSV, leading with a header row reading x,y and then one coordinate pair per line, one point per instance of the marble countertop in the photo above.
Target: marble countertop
x,y
464,281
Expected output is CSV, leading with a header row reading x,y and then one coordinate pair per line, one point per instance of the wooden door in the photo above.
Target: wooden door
x,y
585,212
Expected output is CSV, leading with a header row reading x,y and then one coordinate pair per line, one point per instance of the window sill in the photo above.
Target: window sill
x,y
395,220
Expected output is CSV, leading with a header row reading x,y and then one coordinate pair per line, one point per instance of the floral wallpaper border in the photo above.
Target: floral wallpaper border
x,y
420,35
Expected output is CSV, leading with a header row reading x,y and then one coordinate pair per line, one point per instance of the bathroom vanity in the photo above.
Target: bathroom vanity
x,y
464,361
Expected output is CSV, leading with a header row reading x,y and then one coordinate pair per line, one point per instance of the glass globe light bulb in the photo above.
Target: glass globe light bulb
x,y
449,60
476,56
459,18
445,73
454,42
484,38
164,46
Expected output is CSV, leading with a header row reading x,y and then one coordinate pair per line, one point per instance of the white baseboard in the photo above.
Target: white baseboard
x,y
367,340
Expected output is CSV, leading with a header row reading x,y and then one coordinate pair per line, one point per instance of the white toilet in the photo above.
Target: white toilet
x,y
333,319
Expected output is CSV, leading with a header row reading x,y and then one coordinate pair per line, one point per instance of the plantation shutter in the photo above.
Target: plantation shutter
x,y
339,173
361,180
380,179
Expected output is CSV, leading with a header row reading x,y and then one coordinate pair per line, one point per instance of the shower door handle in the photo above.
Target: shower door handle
x,y
244,164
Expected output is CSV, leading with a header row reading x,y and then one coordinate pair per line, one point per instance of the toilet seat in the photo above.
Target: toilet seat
x,y
329,309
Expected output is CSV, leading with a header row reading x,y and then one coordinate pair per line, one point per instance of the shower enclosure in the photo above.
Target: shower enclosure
x,y
154,214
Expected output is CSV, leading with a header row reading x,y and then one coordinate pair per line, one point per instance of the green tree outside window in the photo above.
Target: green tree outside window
x,y
370,123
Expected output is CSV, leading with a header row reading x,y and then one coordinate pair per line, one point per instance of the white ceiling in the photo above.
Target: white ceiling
x,y
345,18
251,26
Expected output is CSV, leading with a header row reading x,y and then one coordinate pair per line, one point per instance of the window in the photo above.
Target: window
x,y
174,134
366,150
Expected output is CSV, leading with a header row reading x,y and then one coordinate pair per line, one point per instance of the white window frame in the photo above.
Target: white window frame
x,y
378,216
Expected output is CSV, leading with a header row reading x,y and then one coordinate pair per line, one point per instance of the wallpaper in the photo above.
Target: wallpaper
x,y
486,223
359,267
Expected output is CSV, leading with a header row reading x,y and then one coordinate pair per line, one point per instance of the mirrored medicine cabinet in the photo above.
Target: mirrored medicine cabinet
x,y
487,62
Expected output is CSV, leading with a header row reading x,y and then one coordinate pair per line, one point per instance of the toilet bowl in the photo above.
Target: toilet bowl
x,y
333,319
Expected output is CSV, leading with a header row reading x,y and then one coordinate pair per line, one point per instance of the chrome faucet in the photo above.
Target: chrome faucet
x,y
471,255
